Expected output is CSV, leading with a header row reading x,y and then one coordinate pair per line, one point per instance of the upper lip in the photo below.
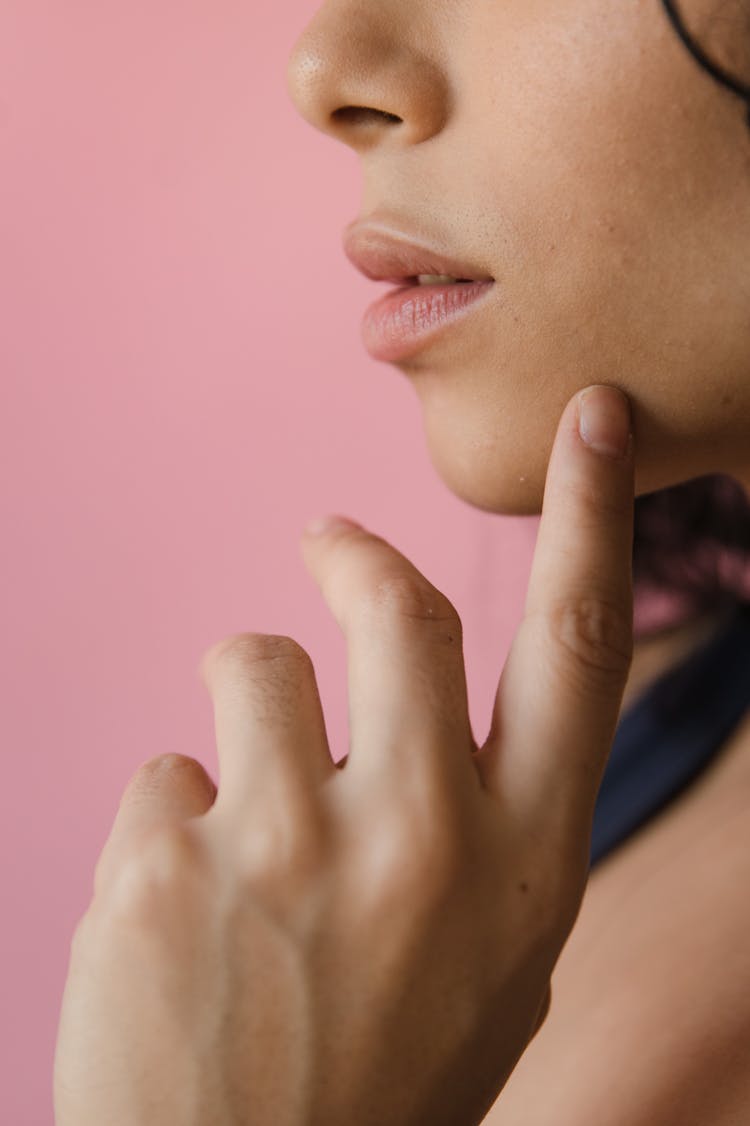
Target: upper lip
x,y
383,256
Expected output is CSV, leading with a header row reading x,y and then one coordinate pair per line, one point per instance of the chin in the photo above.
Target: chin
x,y
504,478
489,433
492,451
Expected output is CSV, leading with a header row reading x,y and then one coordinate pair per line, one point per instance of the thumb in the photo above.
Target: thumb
x,y
165,789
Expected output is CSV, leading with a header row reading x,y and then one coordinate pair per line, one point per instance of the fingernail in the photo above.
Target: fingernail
x,y
325,524
604,420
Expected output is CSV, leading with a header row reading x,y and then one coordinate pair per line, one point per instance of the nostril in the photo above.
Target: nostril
x,y
362,115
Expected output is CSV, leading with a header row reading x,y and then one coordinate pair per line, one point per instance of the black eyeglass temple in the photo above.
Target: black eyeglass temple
x,y
741,89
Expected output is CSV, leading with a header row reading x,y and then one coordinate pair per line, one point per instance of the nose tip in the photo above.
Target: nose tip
x,y
304,73
363,84
319,96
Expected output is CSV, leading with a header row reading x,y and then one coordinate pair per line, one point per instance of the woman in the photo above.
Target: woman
x,y
572,194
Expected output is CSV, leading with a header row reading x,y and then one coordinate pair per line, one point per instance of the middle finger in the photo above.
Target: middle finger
x,y
407,681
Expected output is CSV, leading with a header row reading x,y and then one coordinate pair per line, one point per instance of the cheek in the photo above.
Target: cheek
x,y
595,169
605,206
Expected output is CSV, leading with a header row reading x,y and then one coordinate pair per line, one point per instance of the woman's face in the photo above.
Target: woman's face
x,y
576,152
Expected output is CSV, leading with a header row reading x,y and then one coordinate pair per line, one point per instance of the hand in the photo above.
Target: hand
x,y
371,943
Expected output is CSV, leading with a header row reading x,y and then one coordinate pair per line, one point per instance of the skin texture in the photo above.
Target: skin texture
x,y
575,152
650,1017
267,956
371,944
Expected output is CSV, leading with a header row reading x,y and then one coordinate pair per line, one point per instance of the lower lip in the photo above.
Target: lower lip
x,y
406,319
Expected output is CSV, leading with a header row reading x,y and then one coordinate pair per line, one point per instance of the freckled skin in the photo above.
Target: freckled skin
x,y
576,152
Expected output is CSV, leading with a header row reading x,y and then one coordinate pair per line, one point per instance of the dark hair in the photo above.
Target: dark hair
x,y
692,541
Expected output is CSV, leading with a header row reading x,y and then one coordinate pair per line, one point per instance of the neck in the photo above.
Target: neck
x,y
654,655
658,652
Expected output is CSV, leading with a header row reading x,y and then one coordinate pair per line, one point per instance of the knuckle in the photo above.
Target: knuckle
x,y
175,771
266,670
250,651
169,764
286,846
162,863
160,764
408,596
597,634
415,859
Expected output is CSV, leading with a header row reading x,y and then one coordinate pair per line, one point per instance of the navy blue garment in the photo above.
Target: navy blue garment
x,y
672,733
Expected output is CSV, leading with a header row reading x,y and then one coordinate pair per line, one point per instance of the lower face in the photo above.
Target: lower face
x,y
604,181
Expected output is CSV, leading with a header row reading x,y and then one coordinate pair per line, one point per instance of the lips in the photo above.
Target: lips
x,y
417,314
381,256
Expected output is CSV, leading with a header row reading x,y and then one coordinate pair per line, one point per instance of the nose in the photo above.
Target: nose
x,y
361,73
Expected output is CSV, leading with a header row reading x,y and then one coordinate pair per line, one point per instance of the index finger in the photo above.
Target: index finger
x,y
408,705
560,694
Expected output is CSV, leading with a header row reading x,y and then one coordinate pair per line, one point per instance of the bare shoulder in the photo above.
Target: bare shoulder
x,y
650,1018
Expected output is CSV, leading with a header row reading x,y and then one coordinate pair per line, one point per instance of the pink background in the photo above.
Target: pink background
x,y
183,387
